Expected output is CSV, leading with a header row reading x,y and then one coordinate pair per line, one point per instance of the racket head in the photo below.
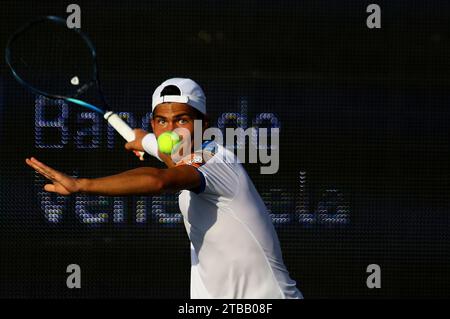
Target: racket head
x,y
55,61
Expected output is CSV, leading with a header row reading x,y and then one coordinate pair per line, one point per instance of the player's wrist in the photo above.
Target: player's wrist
x,y
150,145
83,185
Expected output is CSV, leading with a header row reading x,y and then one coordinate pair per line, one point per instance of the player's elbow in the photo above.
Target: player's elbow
x,y
161,183
144,184
166,182
172,180
157,186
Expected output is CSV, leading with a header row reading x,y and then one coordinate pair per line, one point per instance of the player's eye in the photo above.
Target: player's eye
x,y
162,122
183,121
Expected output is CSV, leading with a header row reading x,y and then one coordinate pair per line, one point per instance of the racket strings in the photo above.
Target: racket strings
x,y
53,59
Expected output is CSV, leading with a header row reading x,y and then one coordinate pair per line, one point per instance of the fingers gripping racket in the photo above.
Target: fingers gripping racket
x,y
49,59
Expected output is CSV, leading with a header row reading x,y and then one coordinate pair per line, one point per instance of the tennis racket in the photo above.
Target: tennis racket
x,y
50,59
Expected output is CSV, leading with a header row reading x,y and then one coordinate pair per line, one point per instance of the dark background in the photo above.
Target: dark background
x,y
363,112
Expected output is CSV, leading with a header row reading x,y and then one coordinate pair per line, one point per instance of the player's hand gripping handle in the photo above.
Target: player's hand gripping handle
x,y
122,128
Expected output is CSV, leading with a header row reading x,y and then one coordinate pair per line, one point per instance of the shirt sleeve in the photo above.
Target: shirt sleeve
x,y
220,178
218,174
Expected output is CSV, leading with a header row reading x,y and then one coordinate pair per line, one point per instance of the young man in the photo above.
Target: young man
x,y
235,252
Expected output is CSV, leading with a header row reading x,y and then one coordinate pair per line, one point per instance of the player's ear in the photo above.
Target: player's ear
x,y
152,123
205,122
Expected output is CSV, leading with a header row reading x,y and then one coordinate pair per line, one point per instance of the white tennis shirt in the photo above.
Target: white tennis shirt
x,y
235,251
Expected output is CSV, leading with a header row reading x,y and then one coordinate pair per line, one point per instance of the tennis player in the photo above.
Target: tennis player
x,y
235,251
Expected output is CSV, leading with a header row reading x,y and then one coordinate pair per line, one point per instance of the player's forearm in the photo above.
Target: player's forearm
x,y
167,160
139,181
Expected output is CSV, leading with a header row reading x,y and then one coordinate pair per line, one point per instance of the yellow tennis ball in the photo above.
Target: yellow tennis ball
x,y
167,141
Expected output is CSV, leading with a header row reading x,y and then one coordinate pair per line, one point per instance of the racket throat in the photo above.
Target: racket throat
x,y
108,114
86,105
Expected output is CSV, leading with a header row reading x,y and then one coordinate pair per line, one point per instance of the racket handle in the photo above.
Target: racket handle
x,y
122,128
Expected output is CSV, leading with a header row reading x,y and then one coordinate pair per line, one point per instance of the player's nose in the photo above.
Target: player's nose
x,y
170,126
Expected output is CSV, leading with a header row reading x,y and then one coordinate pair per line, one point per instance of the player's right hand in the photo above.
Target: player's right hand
x,y
136,145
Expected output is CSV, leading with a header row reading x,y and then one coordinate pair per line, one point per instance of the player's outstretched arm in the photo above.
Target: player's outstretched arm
x,y
139,181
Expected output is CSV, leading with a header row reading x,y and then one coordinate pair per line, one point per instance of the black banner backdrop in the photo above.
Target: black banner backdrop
x,y
363,117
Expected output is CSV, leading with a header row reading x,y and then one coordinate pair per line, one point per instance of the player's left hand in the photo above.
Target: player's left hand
x,y
62,183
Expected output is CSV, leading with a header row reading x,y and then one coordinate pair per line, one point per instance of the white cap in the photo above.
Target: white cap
x,y
191,93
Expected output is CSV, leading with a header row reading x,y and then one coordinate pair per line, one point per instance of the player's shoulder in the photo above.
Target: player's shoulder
x,y
199,157
211,153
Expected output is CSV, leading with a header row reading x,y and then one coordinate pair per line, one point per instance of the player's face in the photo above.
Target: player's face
x,y
169,116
